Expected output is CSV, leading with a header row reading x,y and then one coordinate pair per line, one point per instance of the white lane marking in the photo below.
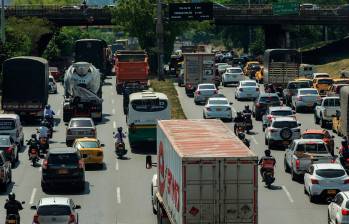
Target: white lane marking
x,y
58,112
254,140
116,164
114,124
40,168
113,111
288,194
118,196
112,101
32,196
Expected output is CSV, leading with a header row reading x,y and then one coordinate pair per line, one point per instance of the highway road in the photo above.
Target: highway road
x,y
286,203
120,193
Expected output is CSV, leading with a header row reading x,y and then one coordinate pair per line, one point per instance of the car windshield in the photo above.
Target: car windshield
x,y
298,85
89,144
325,81
81,123
222,67
269,99
207,87
68,159
6,124
313,136
285,124
330,173
308,92
311,148
218,102
281,112
4,141
53,210
234,70
248,83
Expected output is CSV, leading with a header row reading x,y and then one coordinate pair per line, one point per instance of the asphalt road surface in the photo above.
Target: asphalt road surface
x,y
286,202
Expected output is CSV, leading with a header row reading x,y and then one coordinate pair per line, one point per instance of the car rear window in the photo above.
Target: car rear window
x,y
68,159
325,81
308,91
298,85
234,70
311,148
285,124
281,113
6,124
207,87
53,210
92,144
4,141
330,173
322,76
313,136
269,99
248,84
80,123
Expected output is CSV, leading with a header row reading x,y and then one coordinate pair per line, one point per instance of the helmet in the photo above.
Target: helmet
x,y
247,107
267,152
119,129
33,135
11,196
239,114
43,123
241,135
48,106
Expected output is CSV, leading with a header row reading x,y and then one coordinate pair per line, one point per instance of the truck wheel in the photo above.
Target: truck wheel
x,y
294,175
286,167
316,119
66,117
119,89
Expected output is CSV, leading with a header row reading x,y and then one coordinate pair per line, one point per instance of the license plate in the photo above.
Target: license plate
x,y
62,171
310,104
249,94
81,132
285,142
11,221
218,109
331,191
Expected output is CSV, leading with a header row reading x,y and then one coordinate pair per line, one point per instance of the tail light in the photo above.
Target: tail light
x,y
269,117
36,219
241,89
216,92
258,104
314,181
44,164
298,164
9,150
71,219
197,92
345,211
81,164
257,89
333,160
346,181
347,159
208,109
228,109
299,98
93,131
273,130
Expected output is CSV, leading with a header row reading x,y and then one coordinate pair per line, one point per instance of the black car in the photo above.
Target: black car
x,y
9,146
264,101
63,166
5,172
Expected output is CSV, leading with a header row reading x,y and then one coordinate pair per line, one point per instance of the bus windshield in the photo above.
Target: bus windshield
x,y
149,105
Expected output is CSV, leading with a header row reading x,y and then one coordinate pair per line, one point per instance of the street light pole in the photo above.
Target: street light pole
x,y
160,40
3,21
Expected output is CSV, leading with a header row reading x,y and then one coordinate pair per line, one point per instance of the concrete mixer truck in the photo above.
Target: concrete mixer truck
x,y
82,92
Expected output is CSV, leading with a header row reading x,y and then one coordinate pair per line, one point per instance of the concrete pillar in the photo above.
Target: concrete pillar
x,y
276,37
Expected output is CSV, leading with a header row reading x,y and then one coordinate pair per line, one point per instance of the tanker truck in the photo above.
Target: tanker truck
x,y
82,92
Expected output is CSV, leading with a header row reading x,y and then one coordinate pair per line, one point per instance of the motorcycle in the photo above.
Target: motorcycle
x,y
247,122
268,177
239,127
34,156
43,145
12,219
120,148
246,142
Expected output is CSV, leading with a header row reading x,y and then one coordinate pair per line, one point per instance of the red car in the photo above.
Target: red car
x,y
55,72
322,134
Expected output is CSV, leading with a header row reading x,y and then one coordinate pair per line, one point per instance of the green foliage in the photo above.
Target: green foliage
x,y
46,2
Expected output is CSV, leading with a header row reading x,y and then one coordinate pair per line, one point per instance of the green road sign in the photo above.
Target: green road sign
x,y
286,8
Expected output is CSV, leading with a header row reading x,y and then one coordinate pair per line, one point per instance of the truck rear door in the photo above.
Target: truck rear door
x,y
192,69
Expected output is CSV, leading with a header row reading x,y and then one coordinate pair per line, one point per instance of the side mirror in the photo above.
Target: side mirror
x,y
148,162
33,207
102,145
77,207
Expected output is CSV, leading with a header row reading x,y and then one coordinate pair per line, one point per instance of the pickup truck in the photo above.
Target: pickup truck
x,y
304,152
324,112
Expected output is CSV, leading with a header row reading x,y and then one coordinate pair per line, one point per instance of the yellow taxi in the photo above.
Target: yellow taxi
x,y
249,65
336,124
91,150
341,81
310,81
322,85
259,75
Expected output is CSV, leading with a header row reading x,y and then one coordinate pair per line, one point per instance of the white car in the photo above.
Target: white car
x,y
221,67
306,98
247,89
52,86
217,108
320,75
56,210
10,124
338,209
282,131
232,75
203,92
80,127
326,180
272,112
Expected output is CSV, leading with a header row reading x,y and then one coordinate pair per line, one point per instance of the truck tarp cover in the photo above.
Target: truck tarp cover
x,y
85,94
25,78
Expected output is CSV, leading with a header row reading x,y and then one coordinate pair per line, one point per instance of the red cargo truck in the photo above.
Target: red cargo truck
x,y
131,66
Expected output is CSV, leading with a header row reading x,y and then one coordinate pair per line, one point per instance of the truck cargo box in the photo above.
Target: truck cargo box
x,y
205,173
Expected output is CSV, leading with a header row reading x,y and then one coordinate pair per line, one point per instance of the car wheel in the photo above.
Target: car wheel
x,y
270,144
253,114
224,84
294,175
3,187
265,141
44,187
204,116
322,123
81,187
10,177
263,128
13,163
297,109
196,102
316,119
312,198
286,167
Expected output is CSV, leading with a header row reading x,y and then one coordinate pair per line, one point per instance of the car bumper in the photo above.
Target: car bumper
x,y
280,142
327,190
226,115
73,137
92,159
201,98
245,95
302,104
52,180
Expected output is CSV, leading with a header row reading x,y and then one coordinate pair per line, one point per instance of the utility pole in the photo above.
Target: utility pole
x,y
160,40
3,21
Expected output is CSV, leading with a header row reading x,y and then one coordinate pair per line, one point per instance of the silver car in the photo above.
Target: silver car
x,y
306,98
56,210
80,127
203,92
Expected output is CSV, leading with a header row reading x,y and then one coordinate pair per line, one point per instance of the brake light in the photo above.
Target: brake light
x,y
197,92
93,131
36,219
346,181
298,164
9,150
257,89
347,159
314,181
258,104
333,160
208,109
273,130
269,117
81,164
44,164
345,212
299,98
71,219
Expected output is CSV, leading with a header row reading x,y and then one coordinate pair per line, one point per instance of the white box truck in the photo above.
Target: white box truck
x,y
205,174
198,68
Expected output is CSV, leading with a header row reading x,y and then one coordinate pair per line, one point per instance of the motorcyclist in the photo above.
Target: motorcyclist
x,y
33,144
266,162
247,110
13,206
344,151
119,135
43,130
238,119
48,114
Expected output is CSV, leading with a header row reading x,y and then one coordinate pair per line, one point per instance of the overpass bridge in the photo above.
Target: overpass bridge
x,y
275,26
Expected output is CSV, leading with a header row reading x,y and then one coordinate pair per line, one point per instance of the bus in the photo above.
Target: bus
x,y
144,110
94,51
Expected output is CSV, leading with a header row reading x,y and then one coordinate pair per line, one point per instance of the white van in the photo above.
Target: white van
x,y
306,71
10,124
